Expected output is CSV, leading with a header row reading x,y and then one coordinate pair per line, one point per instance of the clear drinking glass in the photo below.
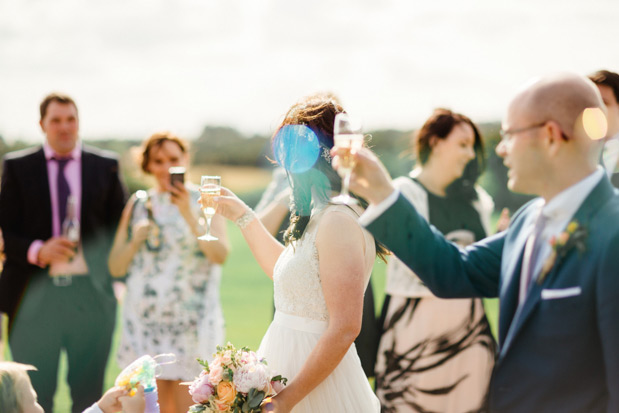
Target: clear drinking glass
x,y
348,139
210,186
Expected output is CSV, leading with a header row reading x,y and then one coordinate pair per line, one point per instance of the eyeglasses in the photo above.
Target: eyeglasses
x,y
507,134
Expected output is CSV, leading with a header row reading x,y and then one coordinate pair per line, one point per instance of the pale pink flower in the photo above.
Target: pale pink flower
x,y
252,376
217,372
201,389
277,386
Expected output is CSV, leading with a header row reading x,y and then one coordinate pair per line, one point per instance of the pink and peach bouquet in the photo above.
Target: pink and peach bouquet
x,y
235,381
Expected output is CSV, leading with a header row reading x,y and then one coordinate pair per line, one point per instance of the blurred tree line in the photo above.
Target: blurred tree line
x,y
226,145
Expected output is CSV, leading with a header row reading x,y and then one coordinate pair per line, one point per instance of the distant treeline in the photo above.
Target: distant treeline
x,y
226,145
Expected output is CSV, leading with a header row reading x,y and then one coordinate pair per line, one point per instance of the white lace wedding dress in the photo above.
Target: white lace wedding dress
x,y
301,317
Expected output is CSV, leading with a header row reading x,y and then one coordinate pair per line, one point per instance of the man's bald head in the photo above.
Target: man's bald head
x,y
545,145
562,98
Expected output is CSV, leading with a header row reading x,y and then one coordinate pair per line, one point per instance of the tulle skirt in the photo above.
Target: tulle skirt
x,y
286,346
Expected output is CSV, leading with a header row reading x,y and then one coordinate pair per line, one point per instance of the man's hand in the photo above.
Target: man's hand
x,y
55,250
369,178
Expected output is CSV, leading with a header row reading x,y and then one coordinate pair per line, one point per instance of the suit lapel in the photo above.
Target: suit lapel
x,y
40,189
598,196
87,177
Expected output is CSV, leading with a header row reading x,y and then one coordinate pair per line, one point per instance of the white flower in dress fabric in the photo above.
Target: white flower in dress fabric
x,y
252,376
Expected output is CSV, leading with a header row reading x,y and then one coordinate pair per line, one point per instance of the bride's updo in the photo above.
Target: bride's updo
x,y
312,185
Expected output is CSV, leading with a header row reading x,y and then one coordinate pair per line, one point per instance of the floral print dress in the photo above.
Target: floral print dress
x,y
172,302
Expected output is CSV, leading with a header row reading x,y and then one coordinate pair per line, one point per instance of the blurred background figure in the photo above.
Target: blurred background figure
x,y
608,84
55,286
16,392
18,396
434,354
2,316
172,302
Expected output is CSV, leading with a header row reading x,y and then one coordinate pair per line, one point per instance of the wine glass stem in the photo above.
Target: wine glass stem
x,y
208,225
345,184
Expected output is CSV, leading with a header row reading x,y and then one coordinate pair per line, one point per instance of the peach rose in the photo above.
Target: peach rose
x,y
563,237
226,393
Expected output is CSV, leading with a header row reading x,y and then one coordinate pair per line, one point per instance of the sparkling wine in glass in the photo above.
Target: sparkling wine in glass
x,y
210,187
348,139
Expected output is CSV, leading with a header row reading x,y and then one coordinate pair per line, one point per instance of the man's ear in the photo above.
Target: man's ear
x,y
554,136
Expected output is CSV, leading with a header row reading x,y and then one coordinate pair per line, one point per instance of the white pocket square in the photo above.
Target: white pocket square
x,y
548,294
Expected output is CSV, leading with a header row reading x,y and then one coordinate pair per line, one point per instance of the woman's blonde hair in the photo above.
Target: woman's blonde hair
x,y
13,378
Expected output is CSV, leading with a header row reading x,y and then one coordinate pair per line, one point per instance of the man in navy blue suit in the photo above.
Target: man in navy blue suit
x,y
555,269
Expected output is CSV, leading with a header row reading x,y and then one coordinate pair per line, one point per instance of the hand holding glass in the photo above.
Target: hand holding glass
x,y
348,139
210,187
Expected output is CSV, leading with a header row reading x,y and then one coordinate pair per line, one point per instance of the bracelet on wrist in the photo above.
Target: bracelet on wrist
x,y
245,219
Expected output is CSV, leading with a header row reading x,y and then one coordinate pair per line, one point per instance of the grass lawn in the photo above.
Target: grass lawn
x,y
246,295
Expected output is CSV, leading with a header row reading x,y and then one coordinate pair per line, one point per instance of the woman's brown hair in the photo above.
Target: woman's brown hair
x,y
439,125
318,113
154,142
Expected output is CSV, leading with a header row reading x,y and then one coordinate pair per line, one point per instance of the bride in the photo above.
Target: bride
x,y
319,277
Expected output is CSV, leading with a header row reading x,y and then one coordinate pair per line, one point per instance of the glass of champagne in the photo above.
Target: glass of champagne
x,y
210,187
348,139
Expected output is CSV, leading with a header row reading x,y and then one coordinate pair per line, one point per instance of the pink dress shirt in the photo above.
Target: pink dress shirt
x,y
73,174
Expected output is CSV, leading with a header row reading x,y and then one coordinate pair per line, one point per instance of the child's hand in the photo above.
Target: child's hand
x,y
135,403
109,402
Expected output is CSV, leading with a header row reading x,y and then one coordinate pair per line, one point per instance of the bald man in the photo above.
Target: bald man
x,y
555,269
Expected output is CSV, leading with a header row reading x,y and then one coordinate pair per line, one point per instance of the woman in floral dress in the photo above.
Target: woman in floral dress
x,y
172,302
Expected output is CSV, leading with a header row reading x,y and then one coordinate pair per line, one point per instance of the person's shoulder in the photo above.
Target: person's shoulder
x,y
24,154
337,220
405,183
101,154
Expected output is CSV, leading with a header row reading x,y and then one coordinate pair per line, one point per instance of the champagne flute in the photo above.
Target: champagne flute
x,y
348,139
210,187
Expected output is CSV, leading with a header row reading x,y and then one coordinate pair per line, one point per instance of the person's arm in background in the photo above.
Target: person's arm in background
x,y
273,214
124,249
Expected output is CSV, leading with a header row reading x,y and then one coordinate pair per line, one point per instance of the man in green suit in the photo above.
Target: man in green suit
x,y
554,269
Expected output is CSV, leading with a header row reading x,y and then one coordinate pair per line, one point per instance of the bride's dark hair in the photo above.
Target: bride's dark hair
x,y
318,113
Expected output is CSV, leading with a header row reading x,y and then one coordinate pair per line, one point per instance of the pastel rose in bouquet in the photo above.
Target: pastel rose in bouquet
x,y
236,381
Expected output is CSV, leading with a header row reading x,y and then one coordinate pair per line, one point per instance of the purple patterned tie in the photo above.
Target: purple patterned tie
x,y
63,188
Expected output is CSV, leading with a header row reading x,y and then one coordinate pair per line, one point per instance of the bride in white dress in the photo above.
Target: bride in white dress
x,y
319,277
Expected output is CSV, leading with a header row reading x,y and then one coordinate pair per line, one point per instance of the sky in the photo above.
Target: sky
x,y
138,66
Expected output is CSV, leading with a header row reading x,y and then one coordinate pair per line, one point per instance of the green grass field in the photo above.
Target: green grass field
x,y
246,295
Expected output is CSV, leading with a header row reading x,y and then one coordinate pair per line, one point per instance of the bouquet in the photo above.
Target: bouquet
x,y
236,381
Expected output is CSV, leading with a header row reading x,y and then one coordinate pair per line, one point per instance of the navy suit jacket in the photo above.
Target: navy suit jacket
x,y
563,353
26,215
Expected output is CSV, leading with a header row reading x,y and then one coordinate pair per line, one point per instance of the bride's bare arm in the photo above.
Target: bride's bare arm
x,y
263,245
340,246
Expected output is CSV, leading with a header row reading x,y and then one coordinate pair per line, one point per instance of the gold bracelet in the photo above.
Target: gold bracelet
x,y
245,219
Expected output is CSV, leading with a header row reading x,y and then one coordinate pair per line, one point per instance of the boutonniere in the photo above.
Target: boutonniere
x,y
574,236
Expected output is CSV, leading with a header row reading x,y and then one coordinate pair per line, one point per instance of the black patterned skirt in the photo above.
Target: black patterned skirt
x,y
435,355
